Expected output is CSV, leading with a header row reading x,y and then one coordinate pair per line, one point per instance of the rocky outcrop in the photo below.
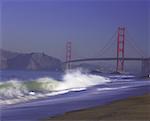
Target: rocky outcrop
x,y
5,56
28,61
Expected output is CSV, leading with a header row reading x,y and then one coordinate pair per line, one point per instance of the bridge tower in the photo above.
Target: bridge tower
x,y
68,54
146,67
120,49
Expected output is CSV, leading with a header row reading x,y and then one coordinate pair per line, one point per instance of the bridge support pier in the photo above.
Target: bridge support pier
x,y
146,67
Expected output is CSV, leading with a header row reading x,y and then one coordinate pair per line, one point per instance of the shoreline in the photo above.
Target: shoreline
x,y
133,108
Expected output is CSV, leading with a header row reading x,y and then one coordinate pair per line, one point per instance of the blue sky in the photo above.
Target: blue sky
x,y
45,26
149,30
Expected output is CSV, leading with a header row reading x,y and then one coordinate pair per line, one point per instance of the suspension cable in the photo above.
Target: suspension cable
x,y
133,44
108,44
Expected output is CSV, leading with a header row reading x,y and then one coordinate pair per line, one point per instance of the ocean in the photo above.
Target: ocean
x,y
31,91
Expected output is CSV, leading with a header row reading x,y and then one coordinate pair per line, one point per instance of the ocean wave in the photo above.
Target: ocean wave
x,y
14,91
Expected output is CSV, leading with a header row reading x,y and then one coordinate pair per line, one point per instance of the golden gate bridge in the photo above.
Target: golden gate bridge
x,y
120,54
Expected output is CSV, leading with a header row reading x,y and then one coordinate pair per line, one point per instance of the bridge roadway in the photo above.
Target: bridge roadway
x,y
106,59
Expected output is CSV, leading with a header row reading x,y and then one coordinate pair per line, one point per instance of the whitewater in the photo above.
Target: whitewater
x,y
26,93
14,91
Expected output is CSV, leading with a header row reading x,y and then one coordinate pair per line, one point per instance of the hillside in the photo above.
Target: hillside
x,y
28,61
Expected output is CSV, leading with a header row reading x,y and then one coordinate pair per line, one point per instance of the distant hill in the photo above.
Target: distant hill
x,y
28,61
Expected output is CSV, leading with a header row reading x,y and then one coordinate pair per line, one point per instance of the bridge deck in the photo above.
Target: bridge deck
x,y
106,59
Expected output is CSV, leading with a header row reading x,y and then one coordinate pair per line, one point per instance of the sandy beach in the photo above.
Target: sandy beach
x,y
133,108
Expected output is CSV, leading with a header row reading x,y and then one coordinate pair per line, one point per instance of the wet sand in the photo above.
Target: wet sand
x,y
133,108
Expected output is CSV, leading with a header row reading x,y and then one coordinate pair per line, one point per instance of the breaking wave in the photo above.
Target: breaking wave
x,y
14,91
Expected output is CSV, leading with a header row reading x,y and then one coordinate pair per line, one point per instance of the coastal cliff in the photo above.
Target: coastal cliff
x,y
28,61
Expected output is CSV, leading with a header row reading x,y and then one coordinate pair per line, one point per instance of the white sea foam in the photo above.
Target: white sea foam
x,y
114,88
76,79
14,91
12,88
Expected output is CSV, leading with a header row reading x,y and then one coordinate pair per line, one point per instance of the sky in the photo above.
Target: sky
x,y
45,26
149,30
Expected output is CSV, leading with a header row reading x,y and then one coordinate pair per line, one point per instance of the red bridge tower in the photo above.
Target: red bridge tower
x,y
68,54
120,49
